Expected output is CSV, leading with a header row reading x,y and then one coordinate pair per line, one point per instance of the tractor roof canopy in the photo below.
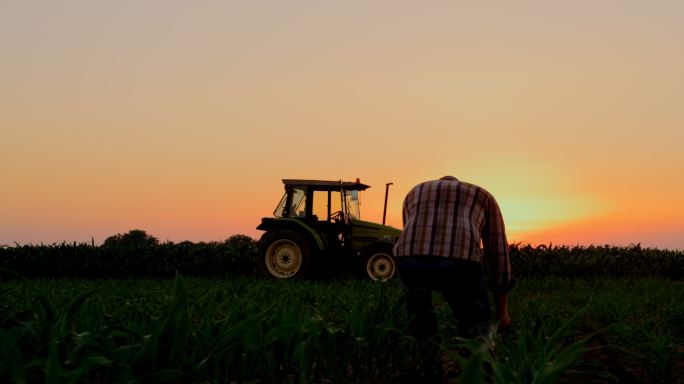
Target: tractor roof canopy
x,y
324,185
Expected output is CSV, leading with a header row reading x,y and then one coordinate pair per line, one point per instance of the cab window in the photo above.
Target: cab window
x,y
320,204
298,206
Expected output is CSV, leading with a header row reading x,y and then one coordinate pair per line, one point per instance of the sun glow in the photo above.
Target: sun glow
x,y
535,195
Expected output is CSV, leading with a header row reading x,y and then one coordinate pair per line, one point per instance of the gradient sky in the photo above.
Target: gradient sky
x,y
181,118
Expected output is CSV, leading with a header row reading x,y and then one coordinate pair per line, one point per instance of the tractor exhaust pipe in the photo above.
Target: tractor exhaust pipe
x,y
384,211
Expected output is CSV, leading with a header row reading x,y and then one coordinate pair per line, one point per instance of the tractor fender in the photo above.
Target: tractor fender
x,y
268,224
375,246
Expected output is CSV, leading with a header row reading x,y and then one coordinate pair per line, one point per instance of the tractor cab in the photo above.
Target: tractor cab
x,y
329,206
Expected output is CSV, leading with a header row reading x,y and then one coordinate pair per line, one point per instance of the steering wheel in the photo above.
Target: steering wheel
x,y
337,216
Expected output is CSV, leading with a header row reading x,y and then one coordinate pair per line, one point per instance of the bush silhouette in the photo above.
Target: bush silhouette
x,y
134,239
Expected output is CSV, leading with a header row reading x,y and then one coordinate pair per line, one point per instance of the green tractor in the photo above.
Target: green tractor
x,y
318,222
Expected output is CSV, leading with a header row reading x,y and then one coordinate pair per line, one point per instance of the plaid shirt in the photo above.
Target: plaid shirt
x,y
450,218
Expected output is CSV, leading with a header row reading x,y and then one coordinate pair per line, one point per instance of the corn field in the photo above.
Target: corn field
x,y
248,330
234,257
125,260
115,313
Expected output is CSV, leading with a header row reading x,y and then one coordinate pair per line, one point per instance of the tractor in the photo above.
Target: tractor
x,y
318,223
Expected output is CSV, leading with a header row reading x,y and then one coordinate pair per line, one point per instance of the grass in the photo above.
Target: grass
x,y
251,330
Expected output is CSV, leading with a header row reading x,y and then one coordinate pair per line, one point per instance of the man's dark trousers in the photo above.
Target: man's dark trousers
x,y
463,286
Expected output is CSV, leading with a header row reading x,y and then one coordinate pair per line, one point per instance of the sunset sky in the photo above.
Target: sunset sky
x,y
181,118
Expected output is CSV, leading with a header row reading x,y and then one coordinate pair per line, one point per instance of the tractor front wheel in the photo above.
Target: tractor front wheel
x,y
283,254
379,263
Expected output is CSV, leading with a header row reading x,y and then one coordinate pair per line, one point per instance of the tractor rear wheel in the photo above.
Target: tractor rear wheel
x,y
379,262
283,254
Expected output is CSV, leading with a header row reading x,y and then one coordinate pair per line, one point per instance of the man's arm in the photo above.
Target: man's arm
x,y
498,262
496,248
501,306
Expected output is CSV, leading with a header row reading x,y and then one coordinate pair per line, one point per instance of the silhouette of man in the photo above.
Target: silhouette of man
x,y
453,242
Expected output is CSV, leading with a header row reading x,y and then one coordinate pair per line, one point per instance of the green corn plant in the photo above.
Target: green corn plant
x,y
539,355
163,350
659,352
13,365
50,328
